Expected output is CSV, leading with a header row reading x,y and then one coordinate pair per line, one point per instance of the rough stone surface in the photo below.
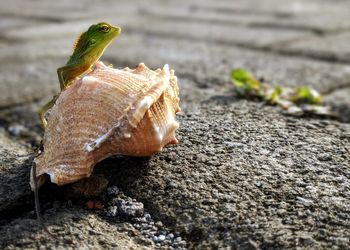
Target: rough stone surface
x,y
14,169
243,175
130,209
88,187
332,47
73,228
237,177
340,101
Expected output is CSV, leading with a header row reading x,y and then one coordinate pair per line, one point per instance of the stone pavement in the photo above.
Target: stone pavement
x,y
243,175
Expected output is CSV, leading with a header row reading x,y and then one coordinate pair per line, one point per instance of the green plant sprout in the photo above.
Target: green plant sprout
x,y
299,101
245,83
306,95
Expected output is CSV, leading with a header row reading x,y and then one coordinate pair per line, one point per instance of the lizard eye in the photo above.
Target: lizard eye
x,y
104,28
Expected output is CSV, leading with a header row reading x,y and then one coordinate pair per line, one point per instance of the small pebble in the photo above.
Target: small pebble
x,y
140,220
17,130
161,237
147,216
112,211
130,209
159,224
133,211
324,157
178,239
112,190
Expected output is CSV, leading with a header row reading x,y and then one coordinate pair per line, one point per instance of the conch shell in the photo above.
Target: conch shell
x,y
108,112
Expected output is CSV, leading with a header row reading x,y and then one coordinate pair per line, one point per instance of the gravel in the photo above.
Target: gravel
x,y
122,207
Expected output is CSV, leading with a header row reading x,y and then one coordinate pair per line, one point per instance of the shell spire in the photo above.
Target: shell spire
x,y
108,112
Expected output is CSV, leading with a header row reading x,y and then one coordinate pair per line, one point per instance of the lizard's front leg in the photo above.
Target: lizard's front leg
x,y
44,109
60,72
67,73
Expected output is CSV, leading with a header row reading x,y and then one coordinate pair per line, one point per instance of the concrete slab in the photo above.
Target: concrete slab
x,y
14,166
332,47
340,101
73,228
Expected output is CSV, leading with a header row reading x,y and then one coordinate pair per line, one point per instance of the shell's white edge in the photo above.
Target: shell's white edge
x,y
127,135
166,67
102,138
167,76
88,147
172,124
99,64
89,79
97,143
141,109
52,175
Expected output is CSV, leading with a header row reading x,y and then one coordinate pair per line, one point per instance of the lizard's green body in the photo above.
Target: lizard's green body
x,y
87,50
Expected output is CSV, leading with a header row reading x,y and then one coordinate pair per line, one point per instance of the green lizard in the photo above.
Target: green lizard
x,y
88,48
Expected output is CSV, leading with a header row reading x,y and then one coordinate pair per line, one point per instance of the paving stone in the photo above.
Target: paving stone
x,y
247,36
73,228
320,16
333,47
11,22
164,27
220,195
340,101
28,81
62,11
311,14
48,30
14,170
293,8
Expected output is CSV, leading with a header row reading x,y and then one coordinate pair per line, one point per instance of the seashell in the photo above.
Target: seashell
x,y
108,112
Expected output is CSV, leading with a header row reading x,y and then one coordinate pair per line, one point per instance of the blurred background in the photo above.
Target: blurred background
x,y
290,43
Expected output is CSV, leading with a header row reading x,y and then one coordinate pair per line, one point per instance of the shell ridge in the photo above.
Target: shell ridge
x,y
133,118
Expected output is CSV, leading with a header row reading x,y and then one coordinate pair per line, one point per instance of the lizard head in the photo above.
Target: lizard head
x,y
94,41
103,33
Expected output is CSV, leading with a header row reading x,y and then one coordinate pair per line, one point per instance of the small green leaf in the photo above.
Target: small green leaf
x,y
273,96
307,95
297,102
245,83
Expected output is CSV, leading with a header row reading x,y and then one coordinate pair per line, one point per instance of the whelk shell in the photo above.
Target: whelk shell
x,y
108,112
